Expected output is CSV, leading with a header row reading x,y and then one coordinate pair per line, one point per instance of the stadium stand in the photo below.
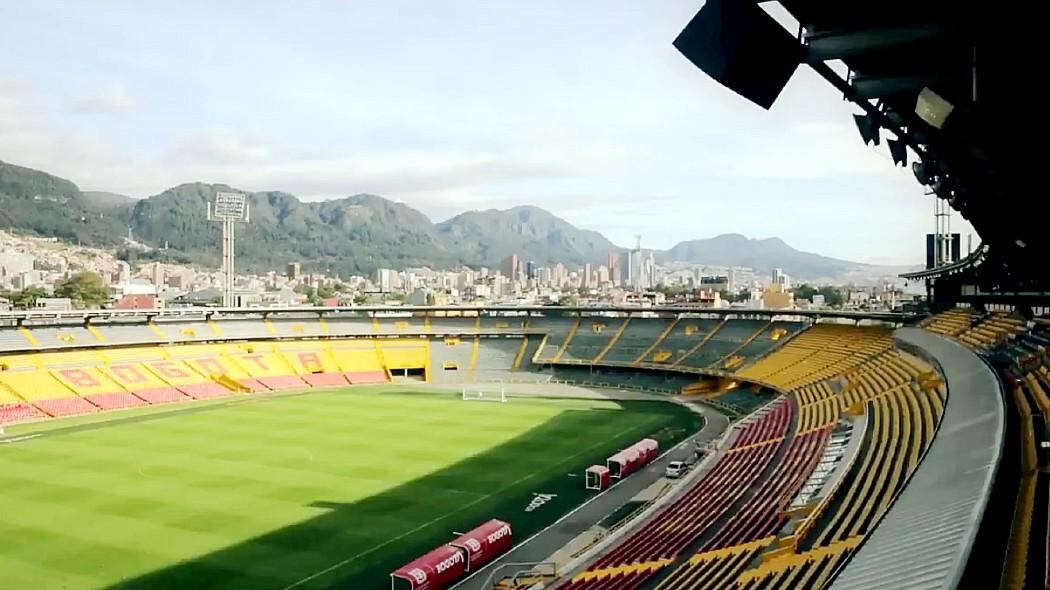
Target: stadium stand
x,y
529,354
512,324
818,353
96,387
267,367
142,383
210,361
775,334
349,325
453,359
128,333
296,328
359,361
62,336
243,329
639,335
398,323
731,336
452,326
798,523
13,408
686,335
591,338
497,358
46,393
559,331
950,323
973,329
656,543
618,378
312,363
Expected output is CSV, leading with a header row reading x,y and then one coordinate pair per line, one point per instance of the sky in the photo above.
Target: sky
x,y
583,108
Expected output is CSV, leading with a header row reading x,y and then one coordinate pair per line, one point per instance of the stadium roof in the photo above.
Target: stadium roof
x,y
941,78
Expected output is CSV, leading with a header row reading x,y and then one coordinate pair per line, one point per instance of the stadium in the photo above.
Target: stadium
x,y
434,447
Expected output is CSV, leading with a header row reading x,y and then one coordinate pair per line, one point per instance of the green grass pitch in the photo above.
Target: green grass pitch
x,y
317,491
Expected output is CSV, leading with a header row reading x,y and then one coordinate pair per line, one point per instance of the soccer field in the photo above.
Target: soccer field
x,y
322,490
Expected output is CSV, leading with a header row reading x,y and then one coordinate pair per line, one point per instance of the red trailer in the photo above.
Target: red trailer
x,y
436,570
596,477
651,447
485,543
624,463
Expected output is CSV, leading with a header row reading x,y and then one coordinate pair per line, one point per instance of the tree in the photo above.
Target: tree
x,y
832,296
360,298
85,289
26,298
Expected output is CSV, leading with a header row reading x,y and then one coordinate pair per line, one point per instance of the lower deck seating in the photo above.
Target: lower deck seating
x,y
116,400
161,395
68,406
786,532
655,544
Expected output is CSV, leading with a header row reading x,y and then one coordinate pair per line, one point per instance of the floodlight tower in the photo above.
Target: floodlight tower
x,y
230,209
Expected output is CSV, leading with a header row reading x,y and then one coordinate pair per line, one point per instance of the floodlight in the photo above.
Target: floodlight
x,y
933,108
868,128
898,151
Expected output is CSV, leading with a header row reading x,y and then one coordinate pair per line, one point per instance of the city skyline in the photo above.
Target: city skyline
x,y
474,107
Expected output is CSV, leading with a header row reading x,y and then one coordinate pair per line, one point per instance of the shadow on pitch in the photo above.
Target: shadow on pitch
x,y
352,541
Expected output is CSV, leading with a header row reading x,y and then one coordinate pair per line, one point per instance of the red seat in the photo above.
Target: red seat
x,y
66,406
161,395
325,379
18,412
253,385
282,382
367,377
204,390
115,400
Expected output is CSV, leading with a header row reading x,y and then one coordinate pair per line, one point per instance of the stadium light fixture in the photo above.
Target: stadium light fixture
x,y
229,209
898,151
868,128
919,169
933,108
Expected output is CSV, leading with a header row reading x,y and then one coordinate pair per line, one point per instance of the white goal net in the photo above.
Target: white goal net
x,y
484,392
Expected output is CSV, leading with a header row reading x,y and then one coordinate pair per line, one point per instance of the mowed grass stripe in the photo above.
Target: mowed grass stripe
x,y
265,493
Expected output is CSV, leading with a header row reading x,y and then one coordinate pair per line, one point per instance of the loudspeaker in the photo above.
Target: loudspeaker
x,y
743,48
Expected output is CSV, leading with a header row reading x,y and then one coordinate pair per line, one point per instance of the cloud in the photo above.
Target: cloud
x,y
114,99
220,147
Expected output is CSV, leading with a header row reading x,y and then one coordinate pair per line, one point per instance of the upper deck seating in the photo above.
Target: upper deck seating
x,y
637,338
591,338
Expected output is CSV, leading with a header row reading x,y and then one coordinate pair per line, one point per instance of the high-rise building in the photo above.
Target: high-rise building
x,y
603,274
558,275
157,275
388,280
293,271
586,282
530,269
779,278
511,266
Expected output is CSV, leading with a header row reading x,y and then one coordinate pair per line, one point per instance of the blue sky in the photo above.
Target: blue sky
x,y
582,107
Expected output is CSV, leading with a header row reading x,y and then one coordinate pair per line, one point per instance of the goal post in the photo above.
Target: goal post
x,y
485,392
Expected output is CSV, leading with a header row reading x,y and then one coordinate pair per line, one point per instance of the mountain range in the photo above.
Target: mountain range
x,y
358,234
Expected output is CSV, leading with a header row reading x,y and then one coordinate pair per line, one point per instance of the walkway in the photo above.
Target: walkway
x,y
925,539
